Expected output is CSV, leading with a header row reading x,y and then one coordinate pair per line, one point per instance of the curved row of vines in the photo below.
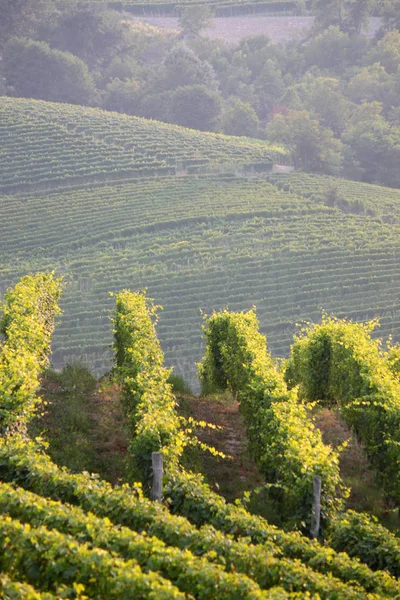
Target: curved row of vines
x,y
75,536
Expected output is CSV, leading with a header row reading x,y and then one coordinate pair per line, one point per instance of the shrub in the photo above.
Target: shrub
x,y
192,574
179,385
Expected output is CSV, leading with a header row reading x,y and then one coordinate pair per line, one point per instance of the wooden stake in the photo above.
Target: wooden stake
x,y
158,471
316,508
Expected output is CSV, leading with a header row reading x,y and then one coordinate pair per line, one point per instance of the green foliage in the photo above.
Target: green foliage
x,y
390,12
368,139
192,240
393,359
66,150
349,15
34,70
68,420
123,96
194,19
386,52
312,146
191,574
95,35
283,441
196,106
361,536
191,497
338,362
27,324
146,394
22,17
45,557
179,385
264,562
183,67
14,590
240,118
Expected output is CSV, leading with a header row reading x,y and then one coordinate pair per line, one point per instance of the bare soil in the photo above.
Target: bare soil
x,y
237,473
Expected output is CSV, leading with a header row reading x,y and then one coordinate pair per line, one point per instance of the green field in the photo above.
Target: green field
x,y
86,194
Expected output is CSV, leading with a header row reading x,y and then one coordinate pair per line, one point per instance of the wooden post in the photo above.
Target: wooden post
x,y
157,464
316,508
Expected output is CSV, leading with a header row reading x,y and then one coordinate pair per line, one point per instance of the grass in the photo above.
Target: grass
x,y
82,422
366,494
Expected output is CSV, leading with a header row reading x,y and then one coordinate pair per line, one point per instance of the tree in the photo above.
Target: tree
x,y
312,146
34,70
370,84
390,13
157,106
123,96
240,118
22,17
270,87
329,50
182,67
357,16
194,19
93,34
196,106
386,52
372,147
323,98
350,16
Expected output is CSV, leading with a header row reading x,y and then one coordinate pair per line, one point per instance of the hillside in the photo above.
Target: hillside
x,y
46,144
276,5
98,206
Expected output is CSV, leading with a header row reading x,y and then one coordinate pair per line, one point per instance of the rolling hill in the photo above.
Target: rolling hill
x,y
273,5
201,220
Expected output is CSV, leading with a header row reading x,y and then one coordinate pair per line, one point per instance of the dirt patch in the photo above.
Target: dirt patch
x,y
238,473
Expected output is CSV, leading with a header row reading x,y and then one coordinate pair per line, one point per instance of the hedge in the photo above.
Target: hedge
x,y
27,325
191,574
338,363
48,558
20,462
189,496
360,535
146,394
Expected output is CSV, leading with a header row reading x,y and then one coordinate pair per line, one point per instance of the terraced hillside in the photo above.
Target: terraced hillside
x,y
290,244
276,5
46,145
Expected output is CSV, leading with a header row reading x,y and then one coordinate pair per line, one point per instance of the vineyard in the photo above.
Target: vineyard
x,y
230,234
85,145
65,535
273,5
